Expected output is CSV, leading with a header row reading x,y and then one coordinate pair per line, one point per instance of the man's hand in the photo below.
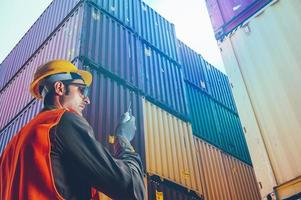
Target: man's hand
x,y
126,127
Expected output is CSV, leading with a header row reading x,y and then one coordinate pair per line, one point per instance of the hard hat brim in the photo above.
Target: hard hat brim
x,y
34,87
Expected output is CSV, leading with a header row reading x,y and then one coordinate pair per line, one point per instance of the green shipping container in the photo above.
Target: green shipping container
x,y
216,124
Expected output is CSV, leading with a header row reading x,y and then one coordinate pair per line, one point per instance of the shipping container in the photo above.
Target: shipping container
x,y
109,100
224,177
241,179
141,20
128,15
39,32
193,66
216,124
212,171
163,82
219,86
227,15
29,111
124,11
158,32
199,72
232,136
115,51
203,116
63,44
264,70
161,189
169,147
111,47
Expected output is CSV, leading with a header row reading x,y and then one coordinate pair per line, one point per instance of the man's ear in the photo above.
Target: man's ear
x,y
59,88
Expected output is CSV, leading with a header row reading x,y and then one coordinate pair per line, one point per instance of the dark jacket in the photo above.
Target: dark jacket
x,y
59,150
80,162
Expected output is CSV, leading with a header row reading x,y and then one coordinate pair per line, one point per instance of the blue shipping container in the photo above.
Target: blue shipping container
x,y
193,66
163,81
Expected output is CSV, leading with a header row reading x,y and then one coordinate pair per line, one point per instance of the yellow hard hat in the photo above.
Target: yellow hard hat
x,y
56,67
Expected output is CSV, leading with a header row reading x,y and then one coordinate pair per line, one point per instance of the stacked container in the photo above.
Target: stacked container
x,y
212,108
228,15
262,58
132,53
223,176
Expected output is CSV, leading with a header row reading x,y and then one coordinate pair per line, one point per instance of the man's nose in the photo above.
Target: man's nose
x,y
87,100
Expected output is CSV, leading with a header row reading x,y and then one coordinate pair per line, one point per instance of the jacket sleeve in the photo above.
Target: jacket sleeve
x,y
119,177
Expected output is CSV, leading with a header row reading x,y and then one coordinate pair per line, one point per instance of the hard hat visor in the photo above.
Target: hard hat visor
x,y
47,83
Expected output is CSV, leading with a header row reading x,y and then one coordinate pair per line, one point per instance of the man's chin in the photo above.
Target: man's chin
x,y
79,112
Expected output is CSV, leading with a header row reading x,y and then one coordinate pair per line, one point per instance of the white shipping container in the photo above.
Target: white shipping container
x,y
263,62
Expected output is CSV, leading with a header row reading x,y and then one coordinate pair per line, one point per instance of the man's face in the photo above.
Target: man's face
x,y
75,100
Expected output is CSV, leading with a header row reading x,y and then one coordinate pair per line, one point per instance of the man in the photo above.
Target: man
x,y
55,156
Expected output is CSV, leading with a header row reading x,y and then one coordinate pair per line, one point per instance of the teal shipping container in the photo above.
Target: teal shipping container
x,y
216,124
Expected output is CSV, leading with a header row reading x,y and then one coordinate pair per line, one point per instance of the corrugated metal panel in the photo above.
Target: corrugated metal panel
x,y
232,136
212,171
64,44
216,16
111,47
223,176
220,87
141,19
199,72
193,66
216,124
160,189
169,147
241,179
109,100
124,11
19,121
163,80
31,41
264,84
227,15
203,116
253,136
158,31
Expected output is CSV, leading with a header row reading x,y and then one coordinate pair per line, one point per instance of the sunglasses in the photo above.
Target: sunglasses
x,y
83,89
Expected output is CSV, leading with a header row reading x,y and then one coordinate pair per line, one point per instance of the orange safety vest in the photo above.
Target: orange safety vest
x,y
25,164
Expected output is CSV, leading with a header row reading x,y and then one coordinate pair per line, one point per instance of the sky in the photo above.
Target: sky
x,y
190,18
